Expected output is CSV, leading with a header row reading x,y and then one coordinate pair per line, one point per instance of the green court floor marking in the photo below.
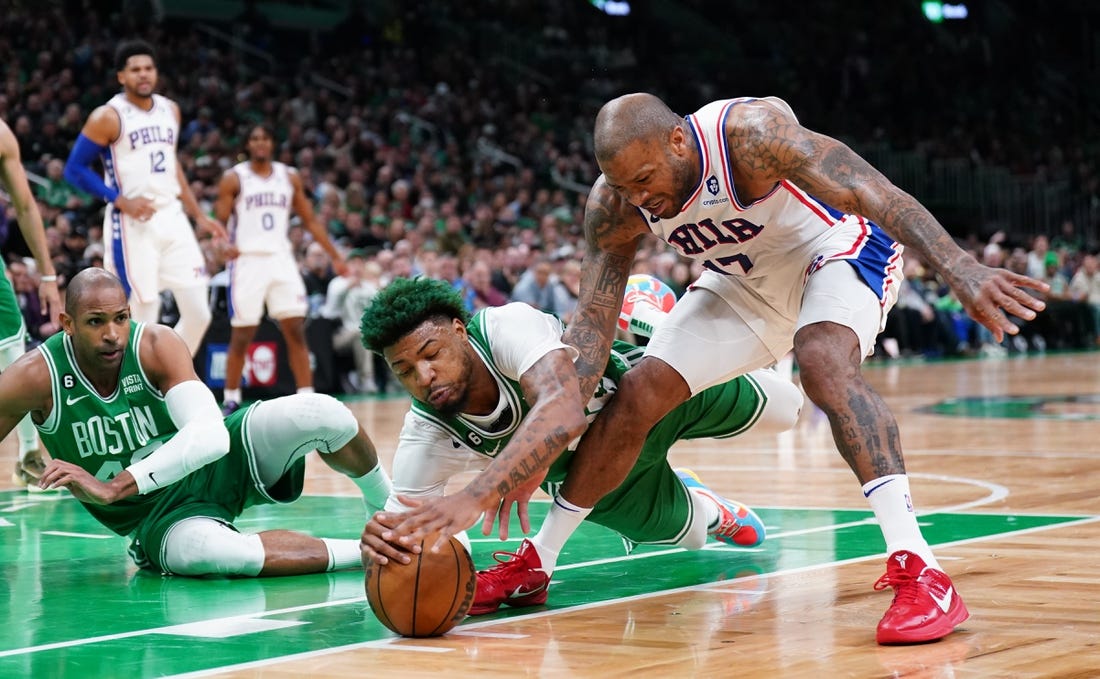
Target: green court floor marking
x,y
1080,407
78,607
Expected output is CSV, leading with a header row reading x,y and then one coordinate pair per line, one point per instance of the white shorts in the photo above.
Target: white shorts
x,y
259,280
718,330
154,255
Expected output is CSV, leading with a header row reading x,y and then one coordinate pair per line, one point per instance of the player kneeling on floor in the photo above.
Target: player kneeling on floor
x,y
498,393
170,473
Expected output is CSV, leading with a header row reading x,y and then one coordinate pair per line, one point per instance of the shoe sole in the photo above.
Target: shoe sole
x,y
943,627
536,599
752,520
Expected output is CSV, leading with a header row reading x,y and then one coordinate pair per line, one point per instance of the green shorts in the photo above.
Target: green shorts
x,y
652,505
13,332
220,490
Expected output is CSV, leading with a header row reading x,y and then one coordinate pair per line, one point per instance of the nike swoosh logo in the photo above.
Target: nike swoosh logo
x,y
945,602
523,591
69,400
868,492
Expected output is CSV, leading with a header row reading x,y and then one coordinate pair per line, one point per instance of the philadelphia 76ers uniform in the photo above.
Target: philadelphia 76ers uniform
x,y
160,253
760,259
265,273
651,505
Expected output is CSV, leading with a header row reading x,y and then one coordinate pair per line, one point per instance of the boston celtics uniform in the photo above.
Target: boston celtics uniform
x,y
106,434
650,506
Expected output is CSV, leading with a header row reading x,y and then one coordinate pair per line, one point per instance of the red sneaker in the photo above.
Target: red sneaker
x,y
516,580
926,606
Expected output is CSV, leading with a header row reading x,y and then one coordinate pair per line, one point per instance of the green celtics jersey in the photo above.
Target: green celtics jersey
x,y
105,434
489,438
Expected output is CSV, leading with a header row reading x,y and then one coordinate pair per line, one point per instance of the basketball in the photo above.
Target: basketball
x,y
642,288
427,596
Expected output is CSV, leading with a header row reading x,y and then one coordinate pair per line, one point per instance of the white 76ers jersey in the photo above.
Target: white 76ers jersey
x,y
142,161
261,213
773,244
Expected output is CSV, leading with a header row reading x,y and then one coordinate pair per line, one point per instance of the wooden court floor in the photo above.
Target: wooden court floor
x,y
1004,456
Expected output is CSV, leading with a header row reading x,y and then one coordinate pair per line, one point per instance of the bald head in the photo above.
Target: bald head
x,y
92,278
630,118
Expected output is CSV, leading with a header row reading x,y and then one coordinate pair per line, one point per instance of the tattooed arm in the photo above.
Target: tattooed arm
x,y
771,146
612,230
556,417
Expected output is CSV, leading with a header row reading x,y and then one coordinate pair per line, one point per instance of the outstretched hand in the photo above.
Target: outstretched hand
x,y
83,486
990,295
447,515
520,497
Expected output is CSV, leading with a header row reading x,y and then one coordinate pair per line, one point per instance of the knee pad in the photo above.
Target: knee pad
x,y
785,400
206,546
315,419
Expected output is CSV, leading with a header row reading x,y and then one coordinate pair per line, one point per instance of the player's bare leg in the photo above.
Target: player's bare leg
x,y
297,351
239,339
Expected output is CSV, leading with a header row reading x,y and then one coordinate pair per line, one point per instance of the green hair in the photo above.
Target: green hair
x,y
403,305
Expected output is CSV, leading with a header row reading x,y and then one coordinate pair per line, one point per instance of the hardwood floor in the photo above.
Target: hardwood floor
x,y
1004,460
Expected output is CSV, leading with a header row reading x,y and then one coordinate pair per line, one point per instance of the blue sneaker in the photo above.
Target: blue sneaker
x,y
230,407
737,524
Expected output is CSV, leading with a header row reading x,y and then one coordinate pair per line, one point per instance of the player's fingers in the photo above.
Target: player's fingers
x,y
502,532
524,518
487,523
382,551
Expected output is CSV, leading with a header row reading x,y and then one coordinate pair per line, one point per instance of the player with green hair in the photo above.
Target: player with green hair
x,y
497,392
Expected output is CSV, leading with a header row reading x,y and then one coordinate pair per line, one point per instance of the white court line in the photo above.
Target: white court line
x,y
165,630
992,497
487,635
64,534
601,604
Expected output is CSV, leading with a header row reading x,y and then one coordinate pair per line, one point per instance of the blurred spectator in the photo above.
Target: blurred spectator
x,y
25,283
345,300
479,280
1085,287
565,293
57,195
538,287
316,274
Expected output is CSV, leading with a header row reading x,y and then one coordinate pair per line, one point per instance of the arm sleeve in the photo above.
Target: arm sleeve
x,y
202,438
425,460
79,173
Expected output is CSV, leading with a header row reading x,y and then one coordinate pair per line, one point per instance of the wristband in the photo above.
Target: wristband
x,y
48,278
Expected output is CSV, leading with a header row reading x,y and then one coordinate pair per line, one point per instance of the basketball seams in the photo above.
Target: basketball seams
x,y
396,600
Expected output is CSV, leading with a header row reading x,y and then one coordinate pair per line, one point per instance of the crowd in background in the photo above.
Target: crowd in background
x,y
425,152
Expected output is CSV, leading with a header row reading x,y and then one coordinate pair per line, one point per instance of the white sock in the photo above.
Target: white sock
x,y
343,554
561,522
305,390
231,395
376,488
709,508
893,507
705,514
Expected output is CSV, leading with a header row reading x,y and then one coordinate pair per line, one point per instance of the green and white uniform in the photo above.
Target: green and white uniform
x,y
651,505
106,434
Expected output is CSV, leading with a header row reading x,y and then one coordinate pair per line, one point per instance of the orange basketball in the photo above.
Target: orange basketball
x,y
427,596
